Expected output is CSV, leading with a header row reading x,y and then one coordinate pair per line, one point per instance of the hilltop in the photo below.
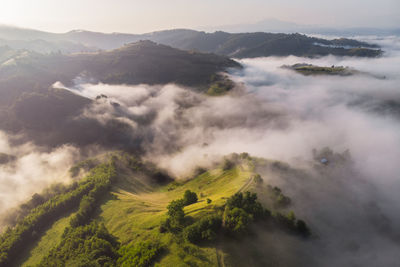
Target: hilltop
x,y
127,205
29,103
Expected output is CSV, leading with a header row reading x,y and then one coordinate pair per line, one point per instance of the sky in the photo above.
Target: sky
x,y
135,16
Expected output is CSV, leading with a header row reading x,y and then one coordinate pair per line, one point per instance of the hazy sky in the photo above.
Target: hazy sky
x,y
144,16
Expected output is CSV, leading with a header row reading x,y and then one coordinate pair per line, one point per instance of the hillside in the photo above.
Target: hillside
x,y
133,205
238,45
260,44
30,105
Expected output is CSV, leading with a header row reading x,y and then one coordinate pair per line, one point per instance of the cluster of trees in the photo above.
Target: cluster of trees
x,y
280,200
291,224
14,240
176,215
243,209
86,165
104,178
88,245
205,229
37,199
240,212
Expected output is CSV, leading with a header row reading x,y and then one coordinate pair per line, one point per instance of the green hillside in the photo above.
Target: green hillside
x,y
118,215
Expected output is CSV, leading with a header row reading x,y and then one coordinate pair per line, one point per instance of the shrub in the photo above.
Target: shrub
x,y
141,254
203,230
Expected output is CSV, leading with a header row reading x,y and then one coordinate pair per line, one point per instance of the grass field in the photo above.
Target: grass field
x,y
136,216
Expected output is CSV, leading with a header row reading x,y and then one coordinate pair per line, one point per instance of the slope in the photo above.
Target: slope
x,y
136,206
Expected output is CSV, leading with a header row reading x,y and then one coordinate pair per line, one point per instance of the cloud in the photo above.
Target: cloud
x,y
27,169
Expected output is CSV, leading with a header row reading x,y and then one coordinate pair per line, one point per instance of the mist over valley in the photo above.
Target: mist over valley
x,y
191,148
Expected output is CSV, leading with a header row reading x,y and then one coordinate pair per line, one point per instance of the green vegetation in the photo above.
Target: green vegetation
x,y
291,224
279,199
205,229
240,211
127,218
28,229
141,254
220,86
85,165
89,245
50,239
309,69
189,198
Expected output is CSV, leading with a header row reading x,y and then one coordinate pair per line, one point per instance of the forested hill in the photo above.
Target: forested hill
x,y
29,103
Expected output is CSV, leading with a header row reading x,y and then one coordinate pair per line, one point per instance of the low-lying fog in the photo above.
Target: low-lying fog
x,y
277,114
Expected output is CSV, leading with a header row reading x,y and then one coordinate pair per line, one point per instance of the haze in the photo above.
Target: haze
x,y
140,16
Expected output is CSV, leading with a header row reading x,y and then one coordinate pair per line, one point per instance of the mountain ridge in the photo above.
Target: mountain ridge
x,y
240,45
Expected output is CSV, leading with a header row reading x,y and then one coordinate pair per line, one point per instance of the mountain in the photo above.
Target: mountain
x,y
30,104
239,45
46,47
280,26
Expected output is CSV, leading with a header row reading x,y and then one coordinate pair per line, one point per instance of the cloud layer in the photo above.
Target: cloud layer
x,y
273,113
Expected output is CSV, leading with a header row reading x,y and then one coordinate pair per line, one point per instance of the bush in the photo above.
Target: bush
x,y
141,254
189,198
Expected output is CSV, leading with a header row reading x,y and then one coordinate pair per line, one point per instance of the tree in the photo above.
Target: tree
x,y
227,165
189,197
203,230
237,220
302,228
175,213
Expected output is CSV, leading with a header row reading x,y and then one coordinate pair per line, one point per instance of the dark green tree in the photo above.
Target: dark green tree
x,y
175,213
189,197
